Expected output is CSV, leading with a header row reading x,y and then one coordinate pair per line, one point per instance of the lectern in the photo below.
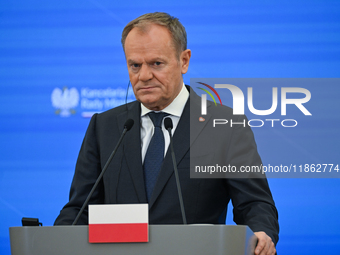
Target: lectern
x,y
163,240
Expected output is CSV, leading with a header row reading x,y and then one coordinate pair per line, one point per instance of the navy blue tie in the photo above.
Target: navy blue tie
x,y
155,153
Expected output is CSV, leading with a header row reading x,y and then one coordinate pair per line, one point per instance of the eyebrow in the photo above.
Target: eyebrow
x,y
131,62
157,59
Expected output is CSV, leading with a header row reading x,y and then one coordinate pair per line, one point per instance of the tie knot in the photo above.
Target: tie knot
x,y
157,118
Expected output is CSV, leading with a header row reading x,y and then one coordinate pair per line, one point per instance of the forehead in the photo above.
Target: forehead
x,y
151,40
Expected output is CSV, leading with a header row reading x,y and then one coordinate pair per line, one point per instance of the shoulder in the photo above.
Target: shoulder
x,y
114,118
119,110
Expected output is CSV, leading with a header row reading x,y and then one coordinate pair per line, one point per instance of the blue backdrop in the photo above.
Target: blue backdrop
x,y
58,44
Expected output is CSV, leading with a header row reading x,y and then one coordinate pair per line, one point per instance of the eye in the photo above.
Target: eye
x,y
158,64
135,67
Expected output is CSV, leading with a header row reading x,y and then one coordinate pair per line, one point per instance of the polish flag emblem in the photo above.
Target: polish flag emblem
x,y
121,223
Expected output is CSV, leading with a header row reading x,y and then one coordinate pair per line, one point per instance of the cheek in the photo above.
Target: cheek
x,y
165,81
171,84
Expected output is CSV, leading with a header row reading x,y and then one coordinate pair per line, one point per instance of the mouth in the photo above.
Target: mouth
x,y
147,88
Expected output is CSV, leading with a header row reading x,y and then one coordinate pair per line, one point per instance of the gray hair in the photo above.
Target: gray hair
x,y
176,29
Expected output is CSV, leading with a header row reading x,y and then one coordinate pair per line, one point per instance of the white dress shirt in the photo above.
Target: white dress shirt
x,y
174,110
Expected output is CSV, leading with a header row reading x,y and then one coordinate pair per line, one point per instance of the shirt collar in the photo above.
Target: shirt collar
x,y
176,107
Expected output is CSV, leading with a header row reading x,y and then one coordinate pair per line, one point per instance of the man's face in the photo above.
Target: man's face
x,y
154,69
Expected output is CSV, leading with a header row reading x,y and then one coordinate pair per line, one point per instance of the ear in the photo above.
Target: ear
x,y
184,60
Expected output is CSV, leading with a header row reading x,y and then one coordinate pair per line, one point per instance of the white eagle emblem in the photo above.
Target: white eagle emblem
x,y
65,100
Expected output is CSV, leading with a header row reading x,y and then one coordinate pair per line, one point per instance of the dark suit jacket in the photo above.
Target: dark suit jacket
x,y
205,200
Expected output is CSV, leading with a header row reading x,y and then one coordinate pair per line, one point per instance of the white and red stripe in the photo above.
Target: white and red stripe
x,y
118,223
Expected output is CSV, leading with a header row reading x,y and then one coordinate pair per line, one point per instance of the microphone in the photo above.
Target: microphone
x,y
168,126
127,126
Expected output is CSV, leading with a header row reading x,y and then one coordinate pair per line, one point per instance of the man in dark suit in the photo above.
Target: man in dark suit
x,y
157,57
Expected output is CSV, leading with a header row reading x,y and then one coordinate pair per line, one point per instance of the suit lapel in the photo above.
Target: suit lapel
x,y
197,121
132,149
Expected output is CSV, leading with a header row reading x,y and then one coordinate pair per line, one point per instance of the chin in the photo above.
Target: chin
x,y
148,98
148,102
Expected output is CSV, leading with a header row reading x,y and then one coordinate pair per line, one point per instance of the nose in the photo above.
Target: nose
x,y
145,73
